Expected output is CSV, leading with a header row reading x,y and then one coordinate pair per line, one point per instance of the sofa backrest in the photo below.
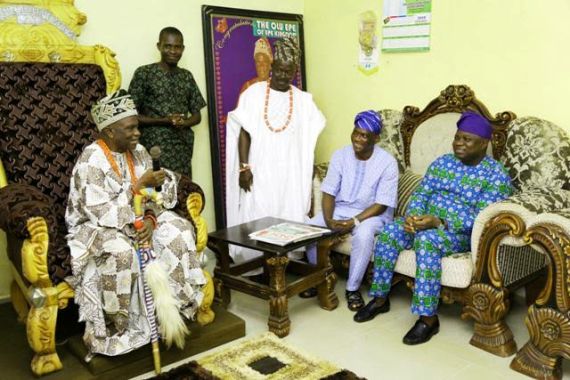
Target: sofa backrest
x,y
429,133
416,138
390,136
537,155
432,139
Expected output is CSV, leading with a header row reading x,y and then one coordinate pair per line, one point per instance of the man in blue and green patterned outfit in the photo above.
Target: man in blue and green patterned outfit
x,y
438,222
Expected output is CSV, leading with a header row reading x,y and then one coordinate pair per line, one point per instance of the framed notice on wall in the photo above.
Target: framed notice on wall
x,y
406,25
238,50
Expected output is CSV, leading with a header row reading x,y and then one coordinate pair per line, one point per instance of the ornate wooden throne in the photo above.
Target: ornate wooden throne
x,y
48,83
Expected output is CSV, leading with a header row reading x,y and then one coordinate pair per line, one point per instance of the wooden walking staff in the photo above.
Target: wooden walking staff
x,y
145,254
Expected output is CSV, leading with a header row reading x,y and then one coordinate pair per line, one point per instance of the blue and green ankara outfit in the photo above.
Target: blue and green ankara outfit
x,y
454,192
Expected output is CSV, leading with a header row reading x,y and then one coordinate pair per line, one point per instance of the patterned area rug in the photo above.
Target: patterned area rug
x,y
263,358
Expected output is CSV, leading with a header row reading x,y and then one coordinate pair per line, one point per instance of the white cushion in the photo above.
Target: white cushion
x,y
456,269
344,246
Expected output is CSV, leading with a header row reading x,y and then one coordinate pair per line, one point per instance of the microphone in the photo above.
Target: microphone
x,y
155,155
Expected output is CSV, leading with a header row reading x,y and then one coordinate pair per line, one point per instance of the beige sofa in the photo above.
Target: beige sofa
x,y
415,138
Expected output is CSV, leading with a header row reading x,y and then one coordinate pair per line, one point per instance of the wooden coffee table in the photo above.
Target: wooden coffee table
x,y
275,263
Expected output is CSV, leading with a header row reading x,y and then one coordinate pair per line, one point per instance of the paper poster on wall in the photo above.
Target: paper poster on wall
x,y
368,53
406,25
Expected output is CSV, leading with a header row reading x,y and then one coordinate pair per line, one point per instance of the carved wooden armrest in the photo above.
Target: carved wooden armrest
x,y
27,214
512,214
18,203
190,205
319,174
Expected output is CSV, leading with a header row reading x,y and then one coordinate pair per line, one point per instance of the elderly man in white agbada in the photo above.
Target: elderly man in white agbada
x,y
100,215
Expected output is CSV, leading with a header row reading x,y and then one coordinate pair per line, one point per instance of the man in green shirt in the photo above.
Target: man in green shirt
x,y
168,102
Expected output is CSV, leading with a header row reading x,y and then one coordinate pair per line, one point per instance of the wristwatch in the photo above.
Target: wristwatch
x,y
356,221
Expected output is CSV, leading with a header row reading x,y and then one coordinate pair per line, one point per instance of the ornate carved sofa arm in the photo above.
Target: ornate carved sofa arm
x,y
505,258
319,173
526,207
548,319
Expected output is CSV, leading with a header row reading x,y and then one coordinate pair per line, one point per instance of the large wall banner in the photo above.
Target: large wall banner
x,y
238,46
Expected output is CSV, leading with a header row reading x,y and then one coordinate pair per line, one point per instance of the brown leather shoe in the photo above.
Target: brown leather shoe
x,y
421,332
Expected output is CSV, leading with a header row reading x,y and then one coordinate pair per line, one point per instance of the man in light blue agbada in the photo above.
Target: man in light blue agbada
x,y
359,196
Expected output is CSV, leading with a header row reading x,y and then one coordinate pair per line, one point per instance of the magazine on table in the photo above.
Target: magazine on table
x,y
287,233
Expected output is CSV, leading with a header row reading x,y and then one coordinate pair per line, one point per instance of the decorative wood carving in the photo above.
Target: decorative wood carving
x,y
502,225
205,313
487,299
42,315
548,320
46,31
279,322
455,98
488,307
549,342
195,205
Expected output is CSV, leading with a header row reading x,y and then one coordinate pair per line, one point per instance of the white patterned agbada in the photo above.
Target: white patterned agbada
x,y
106,273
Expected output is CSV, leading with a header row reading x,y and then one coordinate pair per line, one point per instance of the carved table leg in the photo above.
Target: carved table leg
x,y
279,322
541,356
488,307
327,296
222,294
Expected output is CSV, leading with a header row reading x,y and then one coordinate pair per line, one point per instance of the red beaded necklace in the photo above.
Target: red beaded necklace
x,y
113,163
266,109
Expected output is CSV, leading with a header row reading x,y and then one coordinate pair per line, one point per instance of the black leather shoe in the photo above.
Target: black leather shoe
x,y
421,332
371,310
309,293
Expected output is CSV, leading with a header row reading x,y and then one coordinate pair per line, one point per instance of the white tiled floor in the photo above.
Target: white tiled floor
x,y
374,349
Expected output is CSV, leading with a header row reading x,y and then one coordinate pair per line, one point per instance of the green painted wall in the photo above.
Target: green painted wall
x,y
512,53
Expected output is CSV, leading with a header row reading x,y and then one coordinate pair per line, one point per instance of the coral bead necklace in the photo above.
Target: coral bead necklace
x,y
113,163
266,110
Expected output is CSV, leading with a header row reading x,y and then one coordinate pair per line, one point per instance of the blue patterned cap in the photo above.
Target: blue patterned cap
x,y
369,121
